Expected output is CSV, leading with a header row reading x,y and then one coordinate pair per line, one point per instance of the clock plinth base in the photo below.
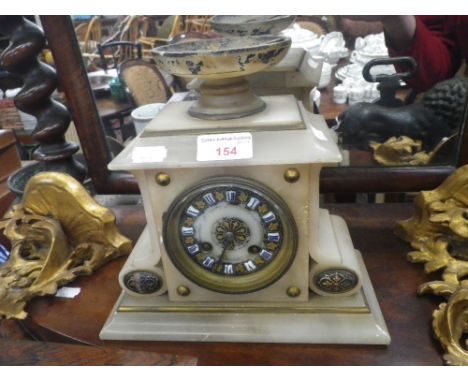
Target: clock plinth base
x,y
354,319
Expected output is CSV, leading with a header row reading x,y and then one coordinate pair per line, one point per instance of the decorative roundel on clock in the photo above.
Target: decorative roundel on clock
x,y
230,235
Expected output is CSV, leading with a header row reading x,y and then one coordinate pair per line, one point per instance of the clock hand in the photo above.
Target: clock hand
x,y
228,240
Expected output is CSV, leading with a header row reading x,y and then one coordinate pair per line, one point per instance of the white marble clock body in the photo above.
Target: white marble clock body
x,y
298,196
284,136
304,143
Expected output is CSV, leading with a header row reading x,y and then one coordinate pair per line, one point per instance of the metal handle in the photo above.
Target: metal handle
x,y
407,61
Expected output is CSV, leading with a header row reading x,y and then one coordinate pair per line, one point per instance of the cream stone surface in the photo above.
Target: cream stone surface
x,y
313,144
355,319
284,137
144,257
296,195
334,250
281,112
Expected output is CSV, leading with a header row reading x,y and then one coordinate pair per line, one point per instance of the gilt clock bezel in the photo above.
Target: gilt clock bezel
x,y
218,282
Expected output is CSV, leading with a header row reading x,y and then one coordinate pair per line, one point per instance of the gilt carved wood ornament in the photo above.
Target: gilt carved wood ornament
x,y
57,232
438,233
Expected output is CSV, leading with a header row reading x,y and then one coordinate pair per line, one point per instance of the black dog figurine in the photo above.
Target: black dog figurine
x,y
439,114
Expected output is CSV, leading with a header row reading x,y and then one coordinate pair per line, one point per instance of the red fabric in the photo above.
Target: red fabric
x,y
440,43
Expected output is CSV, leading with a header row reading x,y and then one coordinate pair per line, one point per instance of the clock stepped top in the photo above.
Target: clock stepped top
x,y
284,134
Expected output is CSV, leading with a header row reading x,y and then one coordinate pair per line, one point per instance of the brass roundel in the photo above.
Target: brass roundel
x,y
230,235
291,175
163,179
143,282
293,291
183,290
231,231
336,280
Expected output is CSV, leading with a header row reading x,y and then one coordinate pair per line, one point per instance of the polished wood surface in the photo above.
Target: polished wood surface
x,y
9,163
9,158
382,179
395,280
31,353
10,329
109,107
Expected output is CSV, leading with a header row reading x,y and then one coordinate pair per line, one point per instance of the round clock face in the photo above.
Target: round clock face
x,y
230,235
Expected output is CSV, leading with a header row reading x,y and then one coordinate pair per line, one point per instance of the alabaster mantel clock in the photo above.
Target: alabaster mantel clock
x,y
236,247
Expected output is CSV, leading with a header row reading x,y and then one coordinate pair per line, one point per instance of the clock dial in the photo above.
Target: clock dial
x,y
230,235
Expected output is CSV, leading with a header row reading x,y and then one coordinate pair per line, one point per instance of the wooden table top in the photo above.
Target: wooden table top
x,y
109,107
395,280
30,353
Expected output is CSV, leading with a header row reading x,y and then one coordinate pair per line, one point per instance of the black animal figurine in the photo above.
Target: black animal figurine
x,y
439,114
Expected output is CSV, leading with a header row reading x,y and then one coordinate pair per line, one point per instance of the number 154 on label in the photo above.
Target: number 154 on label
x,y
224,146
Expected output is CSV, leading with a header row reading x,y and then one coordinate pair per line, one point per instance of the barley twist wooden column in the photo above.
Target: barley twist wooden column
x,y
74,81
39,82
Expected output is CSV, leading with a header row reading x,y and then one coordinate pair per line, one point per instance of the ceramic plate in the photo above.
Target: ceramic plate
x,y
253,25
222,57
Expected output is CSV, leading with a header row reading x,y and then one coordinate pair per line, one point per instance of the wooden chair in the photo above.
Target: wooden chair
x,y
120,52
131,29
144,81
93,35
169,28
200,24
89,35
125,28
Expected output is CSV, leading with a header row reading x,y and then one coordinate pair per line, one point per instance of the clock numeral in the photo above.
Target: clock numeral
x,y
269,217
208,262
228,269
192,211
209,199
250,266
193,249
187,231
231,196
273,236
253,203
265,255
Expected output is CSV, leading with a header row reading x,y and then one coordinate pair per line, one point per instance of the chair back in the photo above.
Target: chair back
x,y
144,81
170,27
198,24
93,35
120,51
89,34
